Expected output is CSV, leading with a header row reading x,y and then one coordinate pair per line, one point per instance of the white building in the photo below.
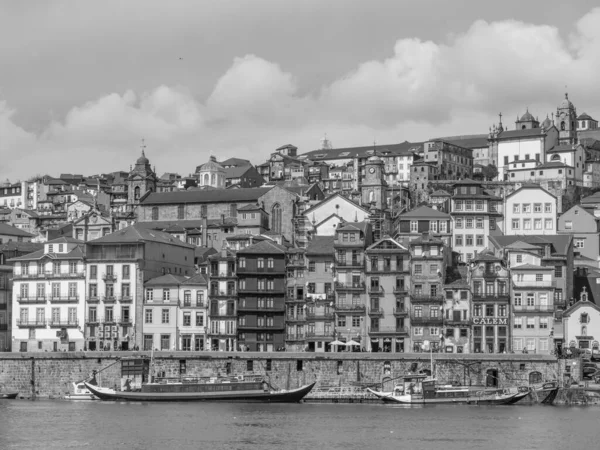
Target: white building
x,y
581,323
550,175
193,314
48,298
530,210
323,218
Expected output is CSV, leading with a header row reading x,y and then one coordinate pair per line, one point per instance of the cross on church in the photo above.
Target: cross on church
x,y
143,146
500,115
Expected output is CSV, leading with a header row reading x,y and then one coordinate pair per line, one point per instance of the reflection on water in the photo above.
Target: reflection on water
x,y
107,425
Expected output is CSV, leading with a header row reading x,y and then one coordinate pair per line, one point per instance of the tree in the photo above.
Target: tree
x,y
490,172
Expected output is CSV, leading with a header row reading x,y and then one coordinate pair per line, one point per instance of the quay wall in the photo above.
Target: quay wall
x,y
49,375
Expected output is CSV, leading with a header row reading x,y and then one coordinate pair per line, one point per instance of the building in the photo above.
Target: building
x,y
13,195
388,278
581,323
117,267
457,336
211,174
92,225
351,240
6,274
48,298
412,224
261,270
320,299
296,299
243,176
142,181
584,226
454,162
9,233
474,213
421,174
530,210
428,261
222,299
550,175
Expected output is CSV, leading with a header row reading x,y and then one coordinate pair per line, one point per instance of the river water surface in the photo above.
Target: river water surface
x,y
106,425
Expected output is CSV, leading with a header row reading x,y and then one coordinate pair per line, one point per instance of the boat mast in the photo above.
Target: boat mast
x,y
151,365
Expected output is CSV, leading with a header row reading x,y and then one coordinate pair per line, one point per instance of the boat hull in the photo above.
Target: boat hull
x,y
388,397
8,395
292,396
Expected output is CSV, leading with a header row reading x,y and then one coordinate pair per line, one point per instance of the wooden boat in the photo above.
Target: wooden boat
x,y
80,392
420,389
212,390
6,394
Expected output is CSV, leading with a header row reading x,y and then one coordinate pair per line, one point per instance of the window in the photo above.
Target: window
x,y
519,258
548,224
518,322
479,205
187,319
558,271
516,208
469,223
530,323
537,207
530,299
311,266
515,224
356,321
414,226
149,294
126,272
260,263
180,212
148,316
199,319
458,240
539,277
479,240
270,263
579,243
568,225
165,316
166,295
518,298
93,272
242,262
458,223
543,322
418,331
165,341
458,205
547,207
526,208
418,269
492,223
527,224
341,322
469,240
479,222
155,213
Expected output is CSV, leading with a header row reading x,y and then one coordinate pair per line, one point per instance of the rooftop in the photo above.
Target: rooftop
x,y
136,233
9,230
424,212
320,245
166,280
264,247
206,196
403,149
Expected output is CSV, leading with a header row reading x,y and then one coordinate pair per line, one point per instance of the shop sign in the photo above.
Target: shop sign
x,y
490,321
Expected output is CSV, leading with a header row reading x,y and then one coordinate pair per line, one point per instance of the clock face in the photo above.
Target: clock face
x,y
372,170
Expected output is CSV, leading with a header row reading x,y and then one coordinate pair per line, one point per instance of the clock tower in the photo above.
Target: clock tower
x,y
373,188
566,122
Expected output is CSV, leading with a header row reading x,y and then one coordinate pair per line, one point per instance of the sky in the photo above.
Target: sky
x,y
83,82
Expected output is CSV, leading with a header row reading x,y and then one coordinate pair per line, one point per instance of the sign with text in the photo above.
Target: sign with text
x,y
490,321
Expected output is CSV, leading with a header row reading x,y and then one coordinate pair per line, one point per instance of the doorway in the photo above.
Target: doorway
x,y
491,379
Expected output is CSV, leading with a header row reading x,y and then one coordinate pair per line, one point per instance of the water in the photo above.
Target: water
x,y
101,425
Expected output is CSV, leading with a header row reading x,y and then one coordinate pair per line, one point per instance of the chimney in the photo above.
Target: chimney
x,y
204,231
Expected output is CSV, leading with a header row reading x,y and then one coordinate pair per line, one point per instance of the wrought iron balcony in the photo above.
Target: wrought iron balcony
x,y
321,334
400,290
374,331
457,322
32,299
295,337
295,318
350,286
319,315
420,298
375,312
109,277
426,320
22,323
533,308
223,294
61,323
92,299
487,297
67,299
109,298
400,312
348,308
376,290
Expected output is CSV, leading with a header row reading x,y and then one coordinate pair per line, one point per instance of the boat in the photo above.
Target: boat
x,y
80,392
422,389
231,389
7,394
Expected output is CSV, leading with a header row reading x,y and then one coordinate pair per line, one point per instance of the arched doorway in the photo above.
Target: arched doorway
x,y
276,218
491,379
535,378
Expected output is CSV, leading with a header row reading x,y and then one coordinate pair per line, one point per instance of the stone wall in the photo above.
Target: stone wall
x,y
54,372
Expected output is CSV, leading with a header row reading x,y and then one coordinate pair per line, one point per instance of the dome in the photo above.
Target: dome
x,y
547,123
142,159
566,103
527,117
211,166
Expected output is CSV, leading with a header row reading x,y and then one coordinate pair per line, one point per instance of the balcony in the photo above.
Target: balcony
x,y
319,315
487,297
351,286
92,299
400,312
259,327
425,277
109,321
295,318
352,309
260,270
227,274
314,297
376,290
319,334
256,290
125,321
92,320
534,284
295,337
33,300
533,308
31,323
125,298
222,294
259,309
457,323
67,299
223,315
348,244
428,320
375,312
341,262
109,277
400,290
109,298
380,331
419,298
64,323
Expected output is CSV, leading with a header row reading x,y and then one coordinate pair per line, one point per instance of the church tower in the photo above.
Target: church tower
x,y
566,119
373,188
141,180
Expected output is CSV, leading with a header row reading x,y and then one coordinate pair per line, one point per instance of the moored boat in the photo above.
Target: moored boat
x,y
214,389
7,394
80,392
420,389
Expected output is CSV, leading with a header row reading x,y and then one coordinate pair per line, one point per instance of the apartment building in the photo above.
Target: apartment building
x,y
530,210
295,302
222,299
457,336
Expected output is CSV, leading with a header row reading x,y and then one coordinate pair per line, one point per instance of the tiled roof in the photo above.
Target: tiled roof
x,y
136,233
9,230
530,186
404,148
264,247
320,245
584,116
553,165
471,142
440,193
235,162
204,252
531,267
559,242
424,212
28,247
425,239
530,132
249,208
76,253
205,196
236,172
198,278
354,226
166,280
520,245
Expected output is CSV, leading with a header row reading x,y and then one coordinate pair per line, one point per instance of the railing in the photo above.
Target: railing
x,y
341,262
319,315
350,308
419,298
339,243
350,286
67,299
376,290
109,298
217,294
64,323
125,298
401,312
31,323
295,337
32,299
400,290
388,330
295,317
280,270
534,284
416,320
375,312
109,277
319,334
226,314
533,308
483,297
228,274
323,296
38,275
92,299
457,323
278,309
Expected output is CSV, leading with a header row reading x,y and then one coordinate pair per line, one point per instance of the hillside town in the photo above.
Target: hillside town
x,y
484,243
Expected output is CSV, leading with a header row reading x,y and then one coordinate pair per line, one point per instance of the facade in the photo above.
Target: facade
x,y
474,217
412,224
9,233
296,301
192,317
117,267
6,275
581,324
161,313
351,240
530,210
583,226
388,280
92,225
421,174
457,336
141,181
428,260
454,162
550,175
243,176
261,270
211,174
222,299
48,298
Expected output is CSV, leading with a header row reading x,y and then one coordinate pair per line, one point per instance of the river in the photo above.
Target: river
x,y
48,424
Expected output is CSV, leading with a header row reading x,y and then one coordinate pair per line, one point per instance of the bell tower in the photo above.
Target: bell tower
x,y
566,120
141,179
373,190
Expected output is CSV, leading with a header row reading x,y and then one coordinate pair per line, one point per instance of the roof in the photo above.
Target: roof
x,y
553,165
249,208
65,240
236,171
235,162
198,278
331,197
405,148
424,212
520,245
204,252
9,230
76,253
166,280
531,267
206,196
530,186
527,117
584,116
264,247
594,198
425,238
528,132
440,193
320,245
579,304
559,242
353,226
26,247
470,142
562,148
137,233
456,277
486,256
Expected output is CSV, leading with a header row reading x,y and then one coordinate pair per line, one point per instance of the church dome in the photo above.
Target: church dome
x,y
211,166
566,103
547,123
142,159
527,117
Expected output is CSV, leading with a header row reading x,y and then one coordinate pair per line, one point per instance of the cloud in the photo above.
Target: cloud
x,y
422,90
